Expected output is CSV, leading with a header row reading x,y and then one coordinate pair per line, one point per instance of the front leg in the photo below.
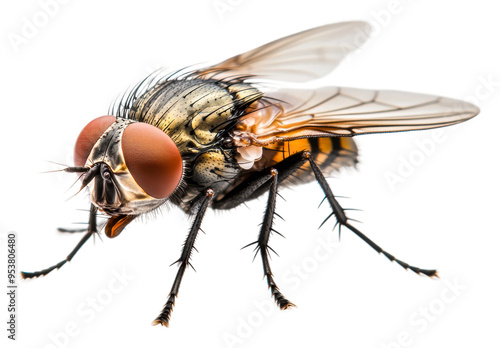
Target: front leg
x,y
164,317
91,230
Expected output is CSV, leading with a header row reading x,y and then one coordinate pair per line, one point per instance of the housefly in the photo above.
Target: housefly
x,y
214,137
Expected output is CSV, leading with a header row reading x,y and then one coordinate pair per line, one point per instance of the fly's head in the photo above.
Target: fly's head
x,y
130,168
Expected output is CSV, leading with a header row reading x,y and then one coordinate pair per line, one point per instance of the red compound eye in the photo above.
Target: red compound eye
x,y
89,136
152,158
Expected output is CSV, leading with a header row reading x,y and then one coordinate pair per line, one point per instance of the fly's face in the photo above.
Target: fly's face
x,y
130,168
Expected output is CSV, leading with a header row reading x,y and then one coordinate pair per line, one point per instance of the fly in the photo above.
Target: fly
x,y
214,138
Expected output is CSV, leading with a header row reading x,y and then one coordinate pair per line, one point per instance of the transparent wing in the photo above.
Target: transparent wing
x,y
338,111
299,57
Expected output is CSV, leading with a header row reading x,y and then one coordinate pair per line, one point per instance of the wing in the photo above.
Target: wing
x,y
300,57
337,111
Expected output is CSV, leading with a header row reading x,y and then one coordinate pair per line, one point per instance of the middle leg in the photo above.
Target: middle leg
x,y
263,243
265,180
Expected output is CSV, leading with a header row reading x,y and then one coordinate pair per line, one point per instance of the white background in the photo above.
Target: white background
x,y
442,215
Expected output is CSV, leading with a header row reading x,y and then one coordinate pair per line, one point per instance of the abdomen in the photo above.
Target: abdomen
x,y
330,154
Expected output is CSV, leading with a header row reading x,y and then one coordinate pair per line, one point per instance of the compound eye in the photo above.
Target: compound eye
x,y
152,158
89,136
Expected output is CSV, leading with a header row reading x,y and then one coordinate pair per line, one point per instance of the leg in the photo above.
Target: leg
x,y
91,230
263,240
71,230
342,219
164,317
269,179
260,181
257,183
